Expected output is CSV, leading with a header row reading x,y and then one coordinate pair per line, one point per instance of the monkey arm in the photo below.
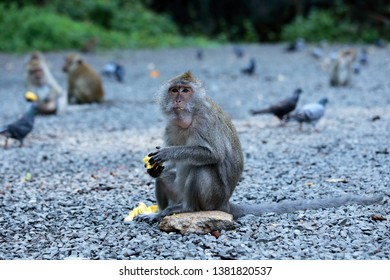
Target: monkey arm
x,y
196,155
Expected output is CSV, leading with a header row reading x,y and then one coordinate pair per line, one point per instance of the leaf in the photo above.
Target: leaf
x,y
309,184
337,180
27,177
377,217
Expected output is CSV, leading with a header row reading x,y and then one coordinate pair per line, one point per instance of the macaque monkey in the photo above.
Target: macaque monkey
x,y
39,79
90,45
341,68
203,158
84,84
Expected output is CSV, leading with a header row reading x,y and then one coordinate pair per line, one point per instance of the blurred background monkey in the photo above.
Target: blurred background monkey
x,y
84,84
39,79
341,69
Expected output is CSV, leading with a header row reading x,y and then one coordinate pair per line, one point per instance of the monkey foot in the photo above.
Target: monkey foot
x,y
149,218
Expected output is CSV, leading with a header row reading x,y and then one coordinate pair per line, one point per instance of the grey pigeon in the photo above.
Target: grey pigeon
x,y
363,57
282,108
296,46
114,69
238,51
310,113
21,127
250,70
360,61
317,52
199,54
380,43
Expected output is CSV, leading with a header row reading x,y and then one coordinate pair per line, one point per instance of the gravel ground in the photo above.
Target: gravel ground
x,y
87,170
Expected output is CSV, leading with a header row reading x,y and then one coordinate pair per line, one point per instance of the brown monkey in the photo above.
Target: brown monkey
x,y
204,160
84,84
341,68
90,45
40,80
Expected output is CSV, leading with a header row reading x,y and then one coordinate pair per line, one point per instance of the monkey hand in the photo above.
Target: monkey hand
x,y
161,155
154,169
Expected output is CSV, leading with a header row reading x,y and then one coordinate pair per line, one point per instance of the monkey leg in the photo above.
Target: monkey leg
x,y
166,195
203,191
166,192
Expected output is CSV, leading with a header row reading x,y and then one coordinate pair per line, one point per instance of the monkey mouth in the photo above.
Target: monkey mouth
x,y
178,109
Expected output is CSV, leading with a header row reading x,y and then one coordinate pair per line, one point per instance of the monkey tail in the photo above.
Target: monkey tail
x,y
239,210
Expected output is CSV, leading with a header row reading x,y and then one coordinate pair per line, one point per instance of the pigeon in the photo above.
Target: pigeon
x,y
363,57
310,113
238,51
199,54
380,43
24,125
296,46
250,70
317,52
361,60
114,69
282,108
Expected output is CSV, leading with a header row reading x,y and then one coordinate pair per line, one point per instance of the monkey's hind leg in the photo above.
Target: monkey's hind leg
x,y
166,195
166,192
204,191
201,191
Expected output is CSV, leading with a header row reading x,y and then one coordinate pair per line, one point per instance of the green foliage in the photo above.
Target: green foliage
x,y
250,34
142,27
32,28
326,25
69,24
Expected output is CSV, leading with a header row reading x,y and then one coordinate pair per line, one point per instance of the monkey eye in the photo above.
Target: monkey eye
x,y
175,90
186,90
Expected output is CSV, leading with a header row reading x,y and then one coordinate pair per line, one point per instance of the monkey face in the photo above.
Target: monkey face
x,y
37,73
180,94
71,63
177,96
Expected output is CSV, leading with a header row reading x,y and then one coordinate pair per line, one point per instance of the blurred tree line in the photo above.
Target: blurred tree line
x,y
265,20
56,24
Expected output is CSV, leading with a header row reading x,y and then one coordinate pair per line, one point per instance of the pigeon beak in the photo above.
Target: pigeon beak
x,y
30,96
